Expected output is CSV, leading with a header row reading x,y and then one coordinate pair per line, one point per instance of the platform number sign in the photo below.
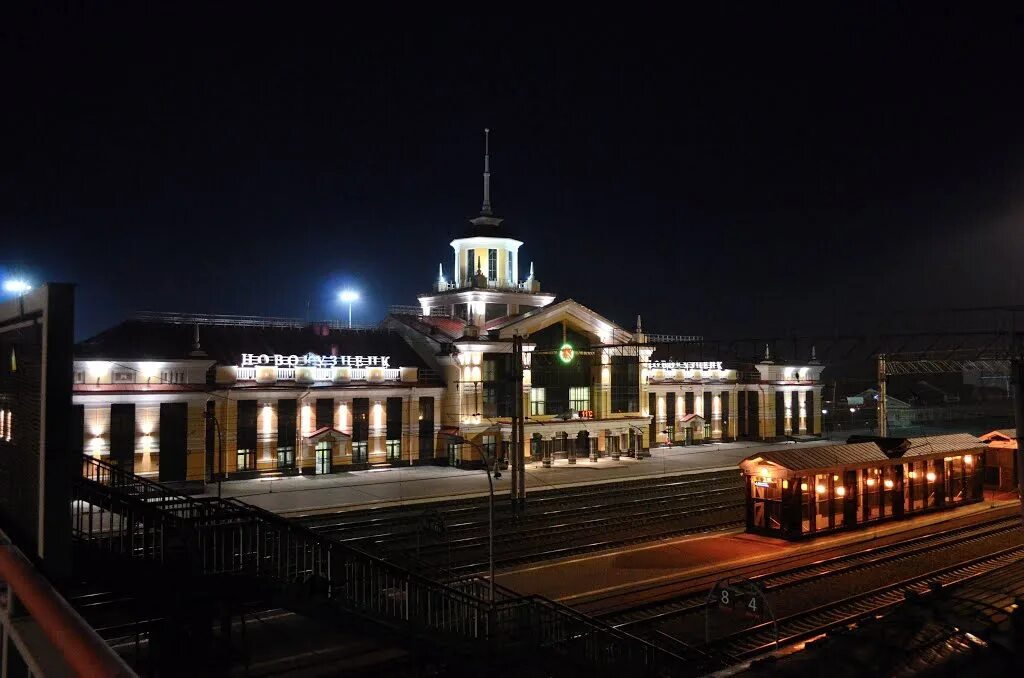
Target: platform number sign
x,y
740,599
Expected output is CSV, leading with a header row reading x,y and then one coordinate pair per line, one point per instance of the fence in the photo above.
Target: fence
x,y
115,510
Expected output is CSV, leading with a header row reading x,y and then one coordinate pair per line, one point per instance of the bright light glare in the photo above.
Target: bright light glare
x,y
348,296
17,286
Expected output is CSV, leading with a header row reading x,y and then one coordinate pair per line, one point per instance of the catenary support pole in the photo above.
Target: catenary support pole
x,y
883,409
515,442
521,423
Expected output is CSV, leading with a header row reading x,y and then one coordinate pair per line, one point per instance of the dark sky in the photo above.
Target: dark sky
x,y
741,172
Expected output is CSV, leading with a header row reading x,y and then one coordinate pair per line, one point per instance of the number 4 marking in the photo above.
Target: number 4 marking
x,y
752,604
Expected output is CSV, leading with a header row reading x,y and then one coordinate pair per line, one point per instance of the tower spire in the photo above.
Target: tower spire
x,y
486,209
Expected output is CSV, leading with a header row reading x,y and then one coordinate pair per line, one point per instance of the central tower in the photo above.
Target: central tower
x,y
485,273
486,248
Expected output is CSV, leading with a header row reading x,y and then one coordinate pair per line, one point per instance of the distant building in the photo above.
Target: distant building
x,y
863,409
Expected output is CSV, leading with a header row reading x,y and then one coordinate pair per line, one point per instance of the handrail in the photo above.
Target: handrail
x,y
81,647
232,537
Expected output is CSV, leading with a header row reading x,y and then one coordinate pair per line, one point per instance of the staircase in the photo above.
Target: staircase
x,y
123,517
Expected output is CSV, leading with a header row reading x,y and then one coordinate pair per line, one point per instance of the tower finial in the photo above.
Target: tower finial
x,y
486,209
531,270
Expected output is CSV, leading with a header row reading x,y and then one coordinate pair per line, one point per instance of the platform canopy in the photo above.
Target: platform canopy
x,y
859,452
801,461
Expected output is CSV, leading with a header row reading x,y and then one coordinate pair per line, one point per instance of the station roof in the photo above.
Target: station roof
x,y
826,457
154,340
861,451
923,446
943,444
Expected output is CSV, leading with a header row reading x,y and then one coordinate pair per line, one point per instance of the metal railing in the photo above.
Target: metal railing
x,y
139,519
244,320
38,626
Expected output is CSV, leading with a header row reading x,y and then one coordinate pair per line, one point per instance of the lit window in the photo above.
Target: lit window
x,y
536,401
394,449
579,398
492,265
244,459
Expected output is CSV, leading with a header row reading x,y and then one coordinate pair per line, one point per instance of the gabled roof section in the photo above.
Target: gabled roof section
x,y
539,318
327,433
1002,434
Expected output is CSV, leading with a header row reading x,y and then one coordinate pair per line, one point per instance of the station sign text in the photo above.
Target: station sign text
x,y
314,360
668,365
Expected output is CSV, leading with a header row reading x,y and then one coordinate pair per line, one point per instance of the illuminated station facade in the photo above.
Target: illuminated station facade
x,y
203,397
184,397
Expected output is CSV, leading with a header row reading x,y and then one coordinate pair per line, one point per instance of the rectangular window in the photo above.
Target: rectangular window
x,y
324,413
490,447
123,376
360,429
122,435
246,425
426,419
287,411
492,265
470,264
245,459
625,374
496,370
393,449
489,369
536,401
508,268
579,398
393,444
172,377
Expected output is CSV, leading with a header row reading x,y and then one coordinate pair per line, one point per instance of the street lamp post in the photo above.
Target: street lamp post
x,y
220,439
349,297
490,466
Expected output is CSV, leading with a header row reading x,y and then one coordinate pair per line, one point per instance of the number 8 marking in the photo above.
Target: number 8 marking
x,y
725,597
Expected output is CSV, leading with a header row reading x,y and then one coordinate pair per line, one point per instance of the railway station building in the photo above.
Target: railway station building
x,y
190,397
202,397
810,491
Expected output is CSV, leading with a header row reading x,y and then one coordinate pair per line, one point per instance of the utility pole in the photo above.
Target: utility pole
x,y
518,493
882,409
515,443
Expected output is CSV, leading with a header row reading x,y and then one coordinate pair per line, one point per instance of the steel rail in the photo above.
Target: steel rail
x,y
829,567
857,607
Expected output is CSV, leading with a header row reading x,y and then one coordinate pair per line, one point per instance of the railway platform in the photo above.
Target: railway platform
x,y
600,582
397,486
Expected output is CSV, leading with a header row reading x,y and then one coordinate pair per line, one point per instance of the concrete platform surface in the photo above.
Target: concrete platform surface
x,y
299,495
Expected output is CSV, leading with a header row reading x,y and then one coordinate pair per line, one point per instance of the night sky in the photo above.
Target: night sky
x,y
736,173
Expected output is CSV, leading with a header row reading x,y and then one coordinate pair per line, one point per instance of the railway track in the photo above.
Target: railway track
x,y
463,511
556,525
823,618
651,621
880,556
